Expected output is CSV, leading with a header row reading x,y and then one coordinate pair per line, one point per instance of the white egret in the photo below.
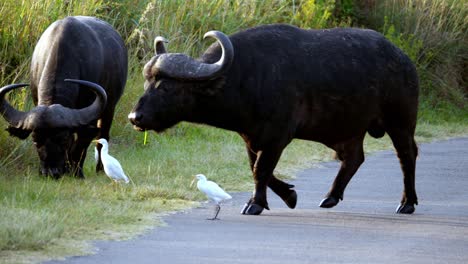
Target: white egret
x,y
112,167
212,191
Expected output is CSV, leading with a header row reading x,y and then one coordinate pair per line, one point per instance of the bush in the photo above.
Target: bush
x,y
434,33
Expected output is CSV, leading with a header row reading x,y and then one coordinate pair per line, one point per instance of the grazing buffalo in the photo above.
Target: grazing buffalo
x,y
70,113
274,83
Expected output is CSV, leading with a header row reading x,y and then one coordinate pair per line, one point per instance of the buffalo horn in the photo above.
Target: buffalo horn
x,y
159,47
84,116
53,116
181,66
12,116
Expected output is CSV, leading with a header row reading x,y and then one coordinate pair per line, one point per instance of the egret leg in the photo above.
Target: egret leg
x,y
114,184
217,209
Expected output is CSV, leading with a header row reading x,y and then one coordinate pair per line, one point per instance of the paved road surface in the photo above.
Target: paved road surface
x,y
361,229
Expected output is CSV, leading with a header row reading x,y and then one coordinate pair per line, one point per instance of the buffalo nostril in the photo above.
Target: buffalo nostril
x,y
134,117
51,172
55,173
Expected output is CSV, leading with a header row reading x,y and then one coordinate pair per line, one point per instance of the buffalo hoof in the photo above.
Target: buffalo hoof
x,y
405,209
329,202
291,200
253,209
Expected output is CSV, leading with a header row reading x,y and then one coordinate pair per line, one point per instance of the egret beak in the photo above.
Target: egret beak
x,y
95,141
193,181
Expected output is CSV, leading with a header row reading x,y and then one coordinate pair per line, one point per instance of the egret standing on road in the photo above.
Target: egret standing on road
x,y
112,167
212,191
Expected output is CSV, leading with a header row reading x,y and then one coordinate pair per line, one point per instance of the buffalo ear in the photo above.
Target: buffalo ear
x,y
18,132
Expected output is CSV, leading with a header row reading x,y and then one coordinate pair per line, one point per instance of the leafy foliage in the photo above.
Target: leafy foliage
x,y
439,31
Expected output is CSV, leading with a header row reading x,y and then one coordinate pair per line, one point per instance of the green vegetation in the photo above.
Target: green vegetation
x,y
42,218
437,33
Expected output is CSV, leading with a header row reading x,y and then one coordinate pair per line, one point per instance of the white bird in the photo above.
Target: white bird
x,y
212,191
112,167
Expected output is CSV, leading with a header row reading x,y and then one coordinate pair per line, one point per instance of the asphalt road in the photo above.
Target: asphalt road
x,y
363,228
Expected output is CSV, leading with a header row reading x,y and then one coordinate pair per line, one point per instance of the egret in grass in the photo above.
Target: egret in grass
x,y
112,167
212,191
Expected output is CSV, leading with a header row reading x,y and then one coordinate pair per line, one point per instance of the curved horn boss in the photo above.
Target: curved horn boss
x,y
79,117
55,115
181,66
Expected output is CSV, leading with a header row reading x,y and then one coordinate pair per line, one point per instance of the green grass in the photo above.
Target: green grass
x,y
22,24
435,35
43,218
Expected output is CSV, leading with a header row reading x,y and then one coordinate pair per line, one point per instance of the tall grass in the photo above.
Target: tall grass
x,y
47,217
185,22
22,24
440,30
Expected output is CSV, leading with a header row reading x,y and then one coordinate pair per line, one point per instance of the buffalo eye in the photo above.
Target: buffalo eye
x,y
158,85
150,82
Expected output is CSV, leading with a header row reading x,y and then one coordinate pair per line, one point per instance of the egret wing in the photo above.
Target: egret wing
x,y
114,169
213,191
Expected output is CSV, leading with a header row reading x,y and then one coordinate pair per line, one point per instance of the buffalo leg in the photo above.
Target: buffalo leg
x,y
78,155
262,171
279,187
407,152
99,166
104,125
352,156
